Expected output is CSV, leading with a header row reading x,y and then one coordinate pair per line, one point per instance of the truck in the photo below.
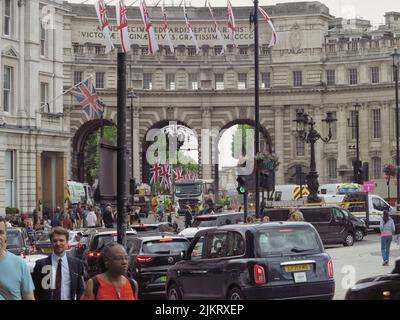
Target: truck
x,y
78,192
192,193
370,207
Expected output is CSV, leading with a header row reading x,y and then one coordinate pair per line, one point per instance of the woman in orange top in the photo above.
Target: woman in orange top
x,y
112,282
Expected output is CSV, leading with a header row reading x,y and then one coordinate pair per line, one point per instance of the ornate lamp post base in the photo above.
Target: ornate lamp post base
x,y
313,185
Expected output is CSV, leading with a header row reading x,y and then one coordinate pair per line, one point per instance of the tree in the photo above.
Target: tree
x,y
239,139
92,151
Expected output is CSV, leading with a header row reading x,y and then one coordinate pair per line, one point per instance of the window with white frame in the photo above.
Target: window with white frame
x,y
10,179
297,79
376,122
376,168
44,94
193,81
265,80
43,35
100,80
330,77
375,74
353,76
332,169
219,81
242,81
8,88
300,147
7,9
192,51
78,77
170,81
243,50
147,81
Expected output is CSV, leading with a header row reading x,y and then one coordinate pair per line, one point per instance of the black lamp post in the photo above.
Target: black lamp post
x,y
396,57
306,131
356,164
132,96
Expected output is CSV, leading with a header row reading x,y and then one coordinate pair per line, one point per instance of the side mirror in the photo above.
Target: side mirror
x,y
183,255
397,267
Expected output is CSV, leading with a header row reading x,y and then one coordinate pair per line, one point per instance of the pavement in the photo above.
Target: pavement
x,y
360,261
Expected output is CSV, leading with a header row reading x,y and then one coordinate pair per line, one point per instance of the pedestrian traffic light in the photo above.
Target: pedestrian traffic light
x,y
242,187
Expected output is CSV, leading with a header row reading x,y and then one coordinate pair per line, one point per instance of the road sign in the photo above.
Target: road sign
x,y
369,186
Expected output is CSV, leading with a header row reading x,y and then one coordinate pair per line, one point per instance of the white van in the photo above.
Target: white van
x,y
359,202
289,192
338,188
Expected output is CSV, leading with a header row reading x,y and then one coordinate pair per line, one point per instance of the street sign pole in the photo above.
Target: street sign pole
x,y
121,145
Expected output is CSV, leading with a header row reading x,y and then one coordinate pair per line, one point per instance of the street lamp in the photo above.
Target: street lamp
x,y
357,162
396,57
305,130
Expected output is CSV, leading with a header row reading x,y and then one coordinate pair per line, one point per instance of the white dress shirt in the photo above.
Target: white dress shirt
x,y
91,219
65,276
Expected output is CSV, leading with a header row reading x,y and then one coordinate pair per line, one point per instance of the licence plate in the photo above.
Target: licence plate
x,y
47,250
300,277
298,268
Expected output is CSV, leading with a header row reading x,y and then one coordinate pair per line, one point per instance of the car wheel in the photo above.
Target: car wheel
x,y
359,235
235,294
349,240
174,293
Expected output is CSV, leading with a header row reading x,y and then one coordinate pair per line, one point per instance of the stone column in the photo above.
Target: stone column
x,y
21,112
206,145
365,132
341,134
385,134
279,149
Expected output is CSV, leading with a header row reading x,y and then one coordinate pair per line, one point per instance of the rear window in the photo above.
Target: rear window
x,y
205,222
164,246
14,240
100,241
231,219
277,215
287,241
317,215
161,228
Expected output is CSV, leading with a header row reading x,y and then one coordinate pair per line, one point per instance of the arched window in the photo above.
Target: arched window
x,y
376,168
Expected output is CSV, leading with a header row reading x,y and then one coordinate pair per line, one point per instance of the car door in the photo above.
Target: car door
x,y
338,227
190,274
215,264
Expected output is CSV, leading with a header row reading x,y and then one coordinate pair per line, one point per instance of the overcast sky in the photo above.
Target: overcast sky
x,y
367,9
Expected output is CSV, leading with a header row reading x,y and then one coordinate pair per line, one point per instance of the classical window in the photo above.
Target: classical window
x,y
10,179
145,51
219,81
44,94
353,76
331,47
193,81
353,121
376,122
100,80
7,14
376,168
8,88
100,50
242,81
78,49
265,51
332,169
168,51
353,46
170,81
300,147
375,74
78,77
265,80
333,126
330,77
147,81
297,78
43,36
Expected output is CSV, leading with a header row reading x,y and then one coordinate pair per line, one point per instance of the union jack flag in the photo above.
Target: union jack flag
x,y
231,23
274,38
85,94
155,172
166,181
178,174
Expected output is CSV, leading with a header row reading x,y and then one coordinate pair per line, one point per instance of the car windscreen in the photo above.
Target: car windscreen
x,y
100,241
287,241
165,246
205,222
14,239
46,237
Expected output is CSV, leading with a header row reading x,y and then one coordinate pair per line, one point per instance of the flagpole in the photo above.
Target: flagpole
x,y
65,92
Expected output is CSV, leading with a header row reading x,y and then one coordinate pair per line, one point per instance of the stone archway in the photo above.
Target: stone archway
x,y
78,146
145,144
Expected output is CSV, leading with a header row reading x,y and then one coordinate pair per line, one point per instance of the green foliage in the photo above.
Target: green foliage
x,y
92,159
10,210
239,139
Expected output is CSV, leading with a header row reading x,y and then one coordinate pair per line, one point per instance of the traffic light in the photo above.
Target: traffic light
x,y
357,171
365,172
242,186
132,187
